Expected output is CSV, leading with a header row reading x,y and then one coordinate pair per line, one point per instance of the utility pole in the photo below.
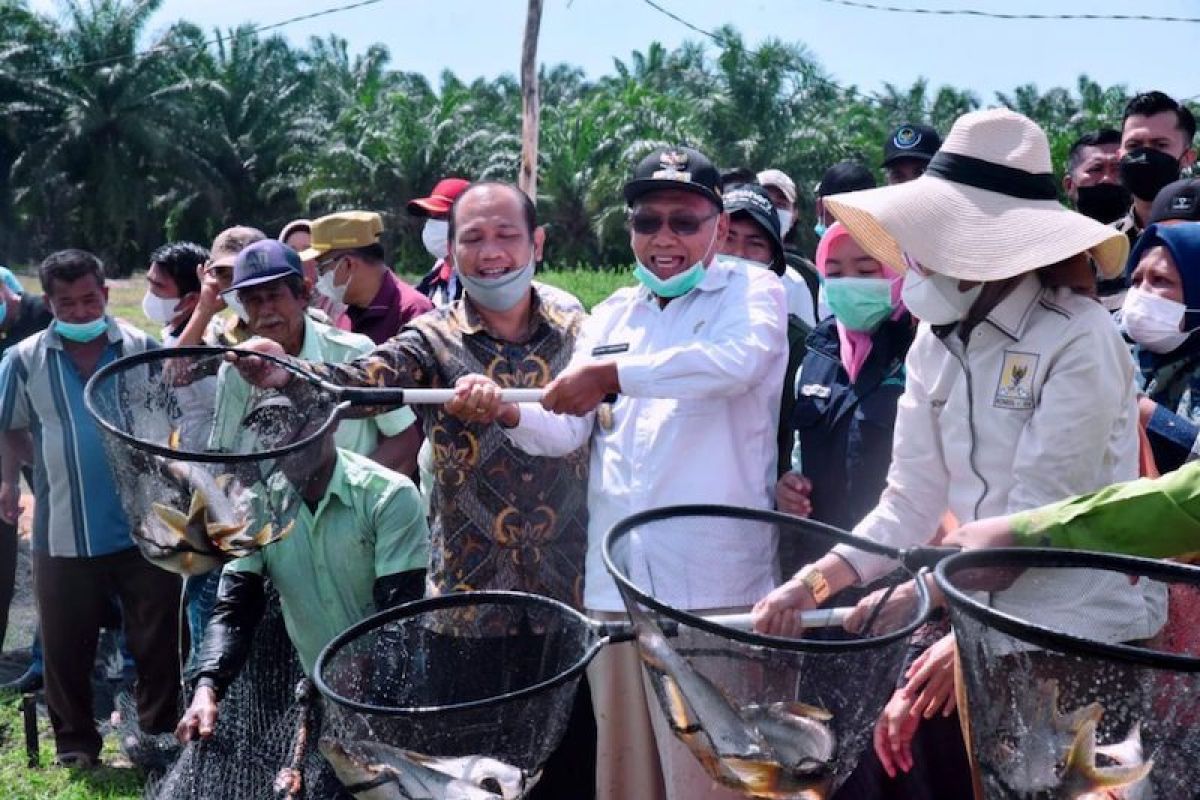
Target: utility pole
x,y
530,105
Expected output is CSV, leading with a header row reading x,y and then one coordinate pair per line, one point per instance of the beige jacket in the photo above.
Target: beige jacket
x,y
1037,406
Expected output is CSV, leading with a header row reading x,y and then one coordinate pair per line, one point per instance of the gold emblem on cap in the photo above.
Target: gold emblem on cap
x,y
673,160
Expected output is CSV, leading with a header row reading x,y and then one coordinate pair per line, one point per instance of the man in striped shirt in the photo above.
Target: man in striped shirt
x,y
83,555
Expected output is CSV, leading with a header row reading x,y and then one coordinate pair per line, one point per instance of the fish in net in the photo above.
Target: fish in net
x,y
198,498
463,696
1055,714
769,717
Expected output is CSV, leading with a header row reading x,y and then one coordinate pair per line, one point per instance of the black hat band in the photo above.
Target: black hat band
x,y
992,177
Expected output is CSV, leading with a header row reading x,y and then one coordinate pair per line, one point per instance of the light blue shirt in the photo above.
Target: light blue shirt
x,y
77,509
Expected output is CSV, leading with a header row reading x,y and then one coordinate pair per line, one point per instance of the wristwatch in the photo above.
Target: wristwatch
x,y
815,580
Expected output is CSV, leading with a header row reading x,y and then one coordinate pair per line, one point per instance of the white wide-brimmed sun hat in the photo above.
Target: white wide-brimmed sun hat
x,y
986,208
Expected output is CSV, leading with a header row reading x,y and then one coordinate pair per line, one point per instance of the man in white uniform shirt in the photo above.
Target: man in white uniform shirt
x,y
695,356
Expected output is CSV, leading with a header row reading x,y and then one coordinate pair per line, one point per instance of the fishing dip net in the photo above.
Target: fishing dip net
x,y
206,467
770,717
1055,711
458,696
205,464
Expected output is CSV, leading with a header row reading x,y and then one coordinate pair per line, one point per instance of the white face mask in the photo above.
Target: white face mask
x,y
159,310
935,298
235,305
326,286
435,237
1153,322
785,221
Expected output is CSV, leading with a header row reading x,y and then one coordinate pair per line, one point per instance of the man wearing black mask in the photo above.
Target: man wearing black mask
x,y
1093,176
1156,144
1093,185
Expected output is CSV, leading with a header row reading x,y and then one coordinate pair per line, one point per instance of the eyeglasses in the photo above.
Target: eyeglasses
x,y
327,264
646,224
220,271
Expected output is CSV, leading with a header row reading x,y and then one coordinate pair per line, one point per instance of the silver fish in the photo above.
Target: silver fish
x,y
1082,779
179,542
214,492
797,734
374,771
1032,764
731,745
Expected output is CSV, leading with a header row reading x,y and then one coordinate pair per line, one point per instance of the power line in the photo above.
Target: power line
x,y
167,48
974,12
720,40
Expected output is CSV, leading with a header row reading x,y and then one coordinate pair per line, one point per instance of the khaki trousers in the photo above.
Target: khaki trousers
x,y
637,756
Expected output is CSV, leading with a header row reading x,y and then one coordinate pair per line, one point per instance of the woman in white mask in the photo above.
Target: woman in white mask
x,y
1160,314
1018,392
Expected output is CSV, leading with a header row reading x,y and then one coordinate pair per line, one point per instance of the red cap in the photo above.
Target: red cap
x,y
440,199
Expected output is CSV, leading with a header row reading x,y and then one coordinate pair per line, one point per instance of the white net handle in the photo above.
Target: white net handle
x,y
816,618
439,396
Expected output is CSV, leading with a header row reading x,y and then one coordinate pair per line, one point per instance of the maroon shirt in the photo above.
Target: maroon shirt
x,y
394,305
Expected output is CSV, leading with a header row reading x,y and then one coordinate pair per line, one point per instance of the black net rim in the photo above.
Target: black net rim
x,y
164,354
453,600
625,526
1049,638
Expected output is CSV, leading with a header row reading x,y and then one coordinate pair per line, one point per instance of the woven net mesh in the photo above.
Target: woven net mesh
x,y
259,720
1049,718
440,682
768,720
185,436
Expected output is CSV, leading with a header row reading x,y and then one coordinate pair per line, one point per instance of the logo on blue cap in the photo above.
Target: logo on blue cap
x,y
906,138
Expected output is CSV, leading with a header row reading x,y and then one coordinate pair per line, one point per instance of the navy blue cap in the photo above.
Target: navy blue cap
x,y
911,140
265,261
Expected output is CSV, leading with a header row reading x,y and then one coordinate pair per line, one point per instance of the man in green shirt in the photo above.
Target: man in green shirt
x,y
360,543
1157,518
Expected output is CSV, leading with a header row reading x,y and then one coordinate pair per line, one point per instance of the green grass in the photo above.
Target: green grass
x,y
19,782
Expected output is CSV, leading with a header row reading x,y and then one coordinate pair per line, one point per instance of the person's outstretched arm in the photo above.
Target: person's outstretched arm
x,y
1158,518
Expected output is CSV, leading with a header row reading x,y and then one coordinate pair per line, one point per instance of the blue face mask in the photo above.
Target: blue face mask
x,y
859,303
499,294
676,285
81,331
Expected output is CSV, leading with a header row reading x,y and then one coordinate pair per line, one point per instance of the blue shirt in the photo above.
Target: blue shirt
x,y
77,508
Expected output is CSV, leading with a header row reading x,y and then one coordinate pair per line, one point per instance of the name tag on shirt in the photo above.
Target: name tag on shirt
x,y
815,390
610,349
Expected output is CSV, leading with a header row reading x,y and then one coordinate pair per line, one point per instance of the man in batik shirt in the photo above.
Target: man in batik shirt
x,y
502,519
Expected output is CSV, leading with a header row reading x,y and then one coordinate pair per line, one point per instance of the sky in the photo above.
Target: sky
x,y
482,38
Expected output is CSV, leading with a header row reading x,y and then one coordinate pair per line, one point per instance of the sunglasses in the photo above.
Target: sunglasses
x,y
646,223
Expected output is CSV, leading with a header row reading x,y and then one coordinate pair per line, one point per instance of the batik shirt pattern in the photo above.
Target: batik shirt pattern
x,y
502,519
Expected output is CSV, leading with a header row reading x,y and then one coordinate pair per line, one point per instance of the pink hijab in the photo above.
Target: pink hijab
x,y
856,345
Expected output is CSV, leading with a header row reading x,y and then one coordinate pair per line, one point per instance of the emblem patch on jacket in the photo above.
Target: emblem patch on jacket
x,y
1015,389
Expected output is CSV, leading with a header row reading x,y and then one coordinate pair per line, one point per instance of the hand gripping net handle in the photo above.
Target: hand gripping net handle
x,y
339,396
421,397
